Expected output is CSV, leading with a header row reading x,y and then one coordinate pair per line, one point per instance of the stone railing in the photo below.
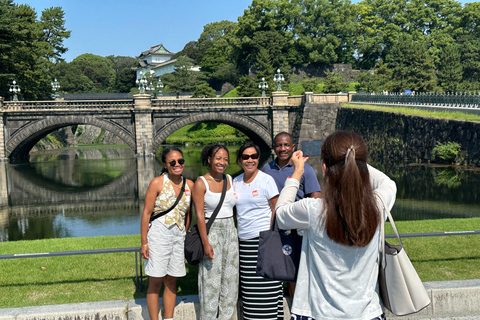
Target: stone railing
x,y
295,100
210,102
462,100
68,104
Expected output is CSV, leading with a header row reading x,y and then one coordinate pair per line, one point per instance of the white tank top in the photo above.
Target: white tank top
x,y
211,200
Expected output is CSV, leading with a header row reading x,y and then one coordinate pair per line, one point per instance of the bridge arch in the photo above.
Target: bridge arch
x,y
256,131
23,140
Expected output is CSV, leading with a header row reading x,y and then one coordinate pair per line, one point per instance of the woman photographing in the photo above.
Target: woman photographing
x,y
163,238
338,271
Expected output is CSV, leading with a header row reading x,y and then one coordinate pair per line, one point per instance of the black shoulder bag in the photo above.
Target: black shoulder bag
x,y
182,190
279,253
193,242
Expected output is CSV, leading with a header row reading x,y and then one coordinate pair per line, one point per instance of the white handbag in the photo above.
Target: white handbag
x,y
401,289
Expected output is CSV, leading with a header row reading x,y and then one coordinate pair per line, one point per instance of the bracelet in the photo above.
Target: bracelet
x,y
144,245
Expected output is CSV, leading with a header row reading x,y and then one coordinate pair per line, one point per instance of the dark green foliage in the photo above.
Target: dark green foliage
x,y
247,87
204,91
183,79
335,83
412,66
29,47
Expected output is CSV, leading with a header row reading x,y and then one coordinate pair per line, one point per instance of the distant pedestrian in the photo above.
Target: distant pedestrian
x,y
163,239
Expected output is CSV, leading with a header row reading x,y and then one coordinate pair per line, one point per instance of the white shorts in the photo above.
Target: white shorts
x,y
166,251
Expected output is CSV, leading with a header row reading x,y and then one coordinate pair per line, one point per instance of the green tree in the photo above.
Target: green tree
x,y
71,78
247,87
52,23
28,48
183,78
203,90
192,51
412,66
450,69
325,31
98,69
335,83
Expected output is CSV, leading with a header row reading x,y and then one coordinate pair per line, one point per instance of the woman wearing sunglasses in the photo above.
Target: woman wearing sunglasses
x,y
163,239
256,194
218,272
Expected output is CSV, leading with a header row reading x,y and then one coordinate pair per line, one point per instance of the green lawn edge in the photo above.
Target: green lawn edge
x,y
103,277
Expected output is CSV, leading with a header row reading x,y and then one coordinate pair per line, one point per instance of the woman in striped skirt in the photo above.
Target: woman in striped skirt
x,y
256,194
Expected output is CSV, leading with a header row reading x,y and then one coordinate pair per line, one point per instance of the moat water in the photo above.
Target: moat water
x,y
89,192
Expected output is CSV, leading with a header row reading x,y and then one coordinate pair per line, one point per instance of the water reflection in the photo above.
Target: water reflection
x,y
77,193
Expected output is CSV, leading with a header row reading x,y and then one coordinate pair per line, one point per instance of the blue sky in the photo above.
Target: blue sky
x,y
128,27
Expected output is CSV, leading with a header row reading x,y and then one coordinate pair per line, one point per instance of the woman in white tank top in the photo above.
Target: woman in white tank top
x,y
218,272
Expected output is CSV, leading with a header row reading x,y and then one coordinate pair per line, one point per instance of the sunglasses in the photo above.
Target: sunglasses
x,y
248,156
174,162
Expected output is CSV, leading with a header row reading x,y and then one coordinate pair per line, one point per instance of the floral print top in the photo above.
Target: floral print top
x,y
166,199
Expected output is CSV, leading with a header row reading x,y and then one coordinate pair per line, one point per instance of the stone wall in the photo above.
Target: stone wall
x,y
314,121
391,136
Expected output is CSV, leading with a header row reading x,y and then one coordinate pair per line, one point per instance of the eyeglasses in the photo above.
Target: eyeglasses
x,y
174,162
254,156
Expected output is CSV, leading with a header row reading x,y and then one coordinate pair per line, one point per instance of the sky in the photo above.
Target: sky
x,y
128,27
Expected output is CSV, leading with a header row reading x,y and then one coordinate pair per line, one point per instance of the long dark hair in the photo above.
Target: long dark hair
x,y
209,152
165,152
352,215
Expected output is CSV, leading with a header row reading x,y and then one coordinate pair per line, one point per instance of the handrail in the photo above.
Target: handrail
x,y
138,278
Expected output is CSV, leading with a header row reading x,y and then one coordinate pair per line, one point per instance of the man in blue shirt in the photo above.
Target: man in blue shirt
x,y
281,168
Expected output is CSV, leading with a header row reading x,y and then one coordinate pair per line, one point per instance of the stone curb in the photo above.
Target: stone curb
x,y
454,300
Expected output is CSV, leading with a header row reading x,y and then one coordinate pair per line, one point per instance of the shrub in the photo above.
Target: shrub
x,y
447,153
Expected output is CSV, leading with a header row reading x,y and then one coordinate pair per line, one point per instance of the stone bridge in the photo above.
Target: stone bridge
x,y
143,124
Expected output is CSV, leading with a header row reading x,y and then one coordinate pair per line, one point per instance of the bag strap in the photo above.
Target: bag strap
x,y
161,214
220,203
382,235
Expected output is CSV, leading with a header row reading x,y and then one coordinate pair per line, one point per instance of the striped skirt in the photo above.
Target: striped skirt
x,y
261,298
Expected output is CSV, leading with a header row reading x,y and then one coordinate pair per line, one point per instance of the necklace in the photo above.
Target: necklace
x,y
217,180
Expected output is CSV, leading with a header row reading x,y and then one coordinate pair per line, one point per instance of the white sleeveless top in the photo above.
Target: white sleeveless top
x,y
211,200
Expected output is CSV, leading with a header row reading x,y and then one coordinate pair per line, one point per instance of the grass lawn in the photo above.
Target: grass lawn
x,y
101,277
456,115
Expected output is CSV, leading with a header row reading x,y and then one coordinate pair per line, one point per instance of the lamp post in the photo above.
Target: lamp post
x,y
55,87
278,78
14,88
263,85
150,88
160,87
143,83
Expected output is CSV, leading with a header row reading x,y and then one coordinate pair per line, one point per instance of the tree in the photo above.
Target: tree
x,y
28,48
247,87
450,69
335,83
325,31
71,78
183,79
412,65
203,90
192,51
52,23
98,69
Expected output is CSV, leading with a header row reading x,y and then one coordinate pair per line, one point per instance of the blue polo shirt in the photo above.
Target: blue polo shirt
x,y
308,183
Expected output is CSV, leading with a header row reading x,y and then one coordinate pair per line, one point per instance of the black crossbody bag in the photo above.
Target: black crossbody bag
x,y
161,214
193,242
